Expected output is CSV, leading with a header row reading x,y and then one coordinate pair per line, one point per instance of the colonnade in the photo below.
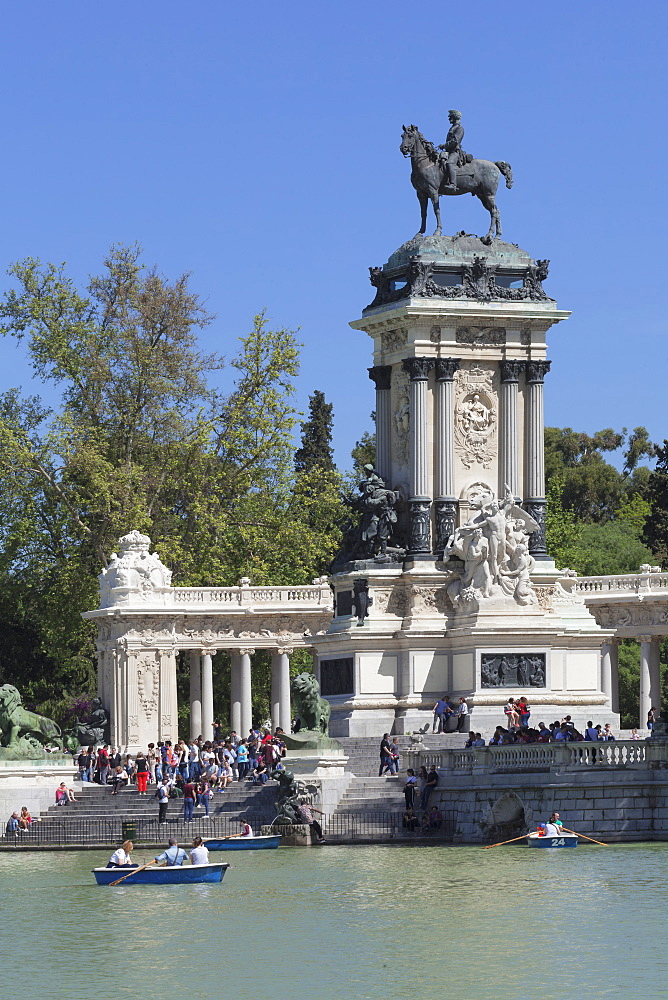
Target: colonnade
x,y
241,699
650,673
513,446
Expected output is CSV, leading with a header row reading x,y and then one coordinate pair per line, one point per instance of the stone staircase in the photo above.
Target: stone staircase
x,y
100,818
364,757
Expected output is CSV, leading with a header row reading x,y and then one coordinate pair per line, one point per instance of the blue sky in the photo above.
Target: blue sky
x,y
256,146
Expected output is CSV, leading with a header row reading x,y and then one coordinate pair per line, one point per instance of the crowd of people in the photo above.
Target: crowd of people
x,y
563,731
192,771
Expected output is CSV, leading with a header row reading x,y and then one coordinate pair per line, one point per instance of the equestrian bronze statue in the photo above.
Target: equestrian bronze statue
x,y
449,170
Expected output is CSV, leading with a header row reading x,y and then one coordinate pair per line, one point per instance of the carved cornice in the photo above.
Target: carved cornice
x,y
446,368
511,370
418,368
381,375
536,371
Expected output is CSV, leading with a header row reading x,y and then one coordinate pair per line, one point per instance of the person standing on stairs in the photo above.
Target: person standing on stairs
x,y
385,754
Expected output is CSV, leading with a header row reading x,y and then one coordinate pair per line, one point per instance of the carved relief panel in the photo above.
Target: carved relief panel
x,y
401,418
476,408
148,683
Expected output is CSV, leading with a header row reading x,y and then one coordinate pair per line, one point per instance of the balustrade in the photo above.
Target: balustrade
x,y
543,756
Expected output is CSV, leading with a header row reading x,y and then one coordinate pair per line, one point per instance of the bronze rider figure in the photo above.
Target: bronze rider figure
x,y
452,150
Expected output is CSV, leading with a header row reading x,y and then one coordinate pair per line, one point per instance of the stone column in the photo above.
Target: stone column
x,y
280,688
419,545
130,700
614,675
606,670
655,674
510,455
207,693
235,689
650,676
195,696
168,706
445,504
534,478
381,375
115,707
245,695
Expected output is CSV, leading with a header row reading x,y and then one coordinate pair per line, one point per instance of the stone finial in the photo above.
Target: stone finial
x,y
135,576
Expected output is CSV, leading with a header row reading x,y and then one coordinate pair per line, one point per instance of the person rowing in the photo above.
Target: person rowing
x,y
247,830
121,858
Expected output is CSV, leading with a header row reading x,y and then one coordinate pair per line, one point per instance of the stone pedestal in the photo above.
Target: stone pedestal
x,y
459,343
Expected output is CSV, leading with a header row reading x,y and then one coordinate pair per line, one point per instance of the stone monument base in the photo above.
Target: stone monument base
x,y
414,646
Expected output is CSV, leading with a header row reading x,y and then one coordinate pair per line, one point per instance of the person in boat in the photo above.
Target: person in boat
x,y
554,818
199,854
551,830
247,830
174,856
121,858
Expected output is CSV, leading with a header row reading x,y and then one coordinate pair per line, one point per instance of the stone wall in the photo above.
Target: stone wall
x,y
33,786
615,805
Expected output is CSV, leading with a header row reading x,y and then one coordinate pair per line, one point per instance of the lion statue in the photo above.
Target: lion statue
x,y
16,721
313,710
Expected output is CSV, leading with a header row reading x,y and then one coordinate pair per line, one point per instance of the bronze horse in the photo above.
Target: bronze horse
x,y
479,178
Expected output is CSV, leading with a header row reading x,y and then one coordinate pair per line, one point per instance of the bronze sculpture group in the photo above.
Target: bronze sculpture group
x,y
447,169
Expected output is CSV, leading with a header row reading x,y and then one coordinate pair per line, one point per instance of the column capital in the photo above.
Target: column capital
x,y
285,650
208,651
418,368
381,375
446,368
246,650
646,638
511,370
537,370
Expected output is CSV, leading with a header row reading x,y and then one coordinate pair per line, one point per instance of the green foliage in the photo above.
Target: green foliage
x,y
656,528
563,530
592,488
316,448
629,684
611,547
364,452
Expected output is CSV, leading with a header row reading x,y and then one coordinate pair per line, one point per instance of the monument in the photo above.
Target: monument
x,y
444,583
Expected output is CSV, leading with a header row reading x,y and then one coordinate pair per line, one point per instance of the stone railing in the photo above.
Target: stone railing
x,y
542,756
630,583
246,597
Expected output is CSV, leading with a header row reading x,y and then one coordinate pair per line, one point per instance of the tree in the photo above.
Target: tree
x,y
591,487
316,448
656,527
141,440
364,452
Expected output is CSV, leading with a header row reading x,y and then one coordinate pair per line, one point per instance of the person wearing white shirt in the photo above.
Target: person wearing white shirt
x,y
121,858
551,830
199,854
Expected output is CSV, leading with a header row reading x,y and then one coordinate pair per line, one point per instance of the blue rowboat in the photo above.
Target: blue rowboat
x,y
266,842
173,875
563,840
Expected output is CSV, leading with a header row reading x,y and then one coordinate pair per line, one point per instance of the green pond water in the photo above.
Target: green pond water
x,y
453,923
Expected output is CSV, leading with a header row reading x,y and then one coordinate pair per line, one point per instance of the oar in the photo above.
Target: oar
x,y
486,847
133,872
585,837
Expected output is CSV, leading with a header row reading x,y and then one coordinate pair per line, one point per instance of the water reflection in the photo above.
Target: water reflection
x,y
373,922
